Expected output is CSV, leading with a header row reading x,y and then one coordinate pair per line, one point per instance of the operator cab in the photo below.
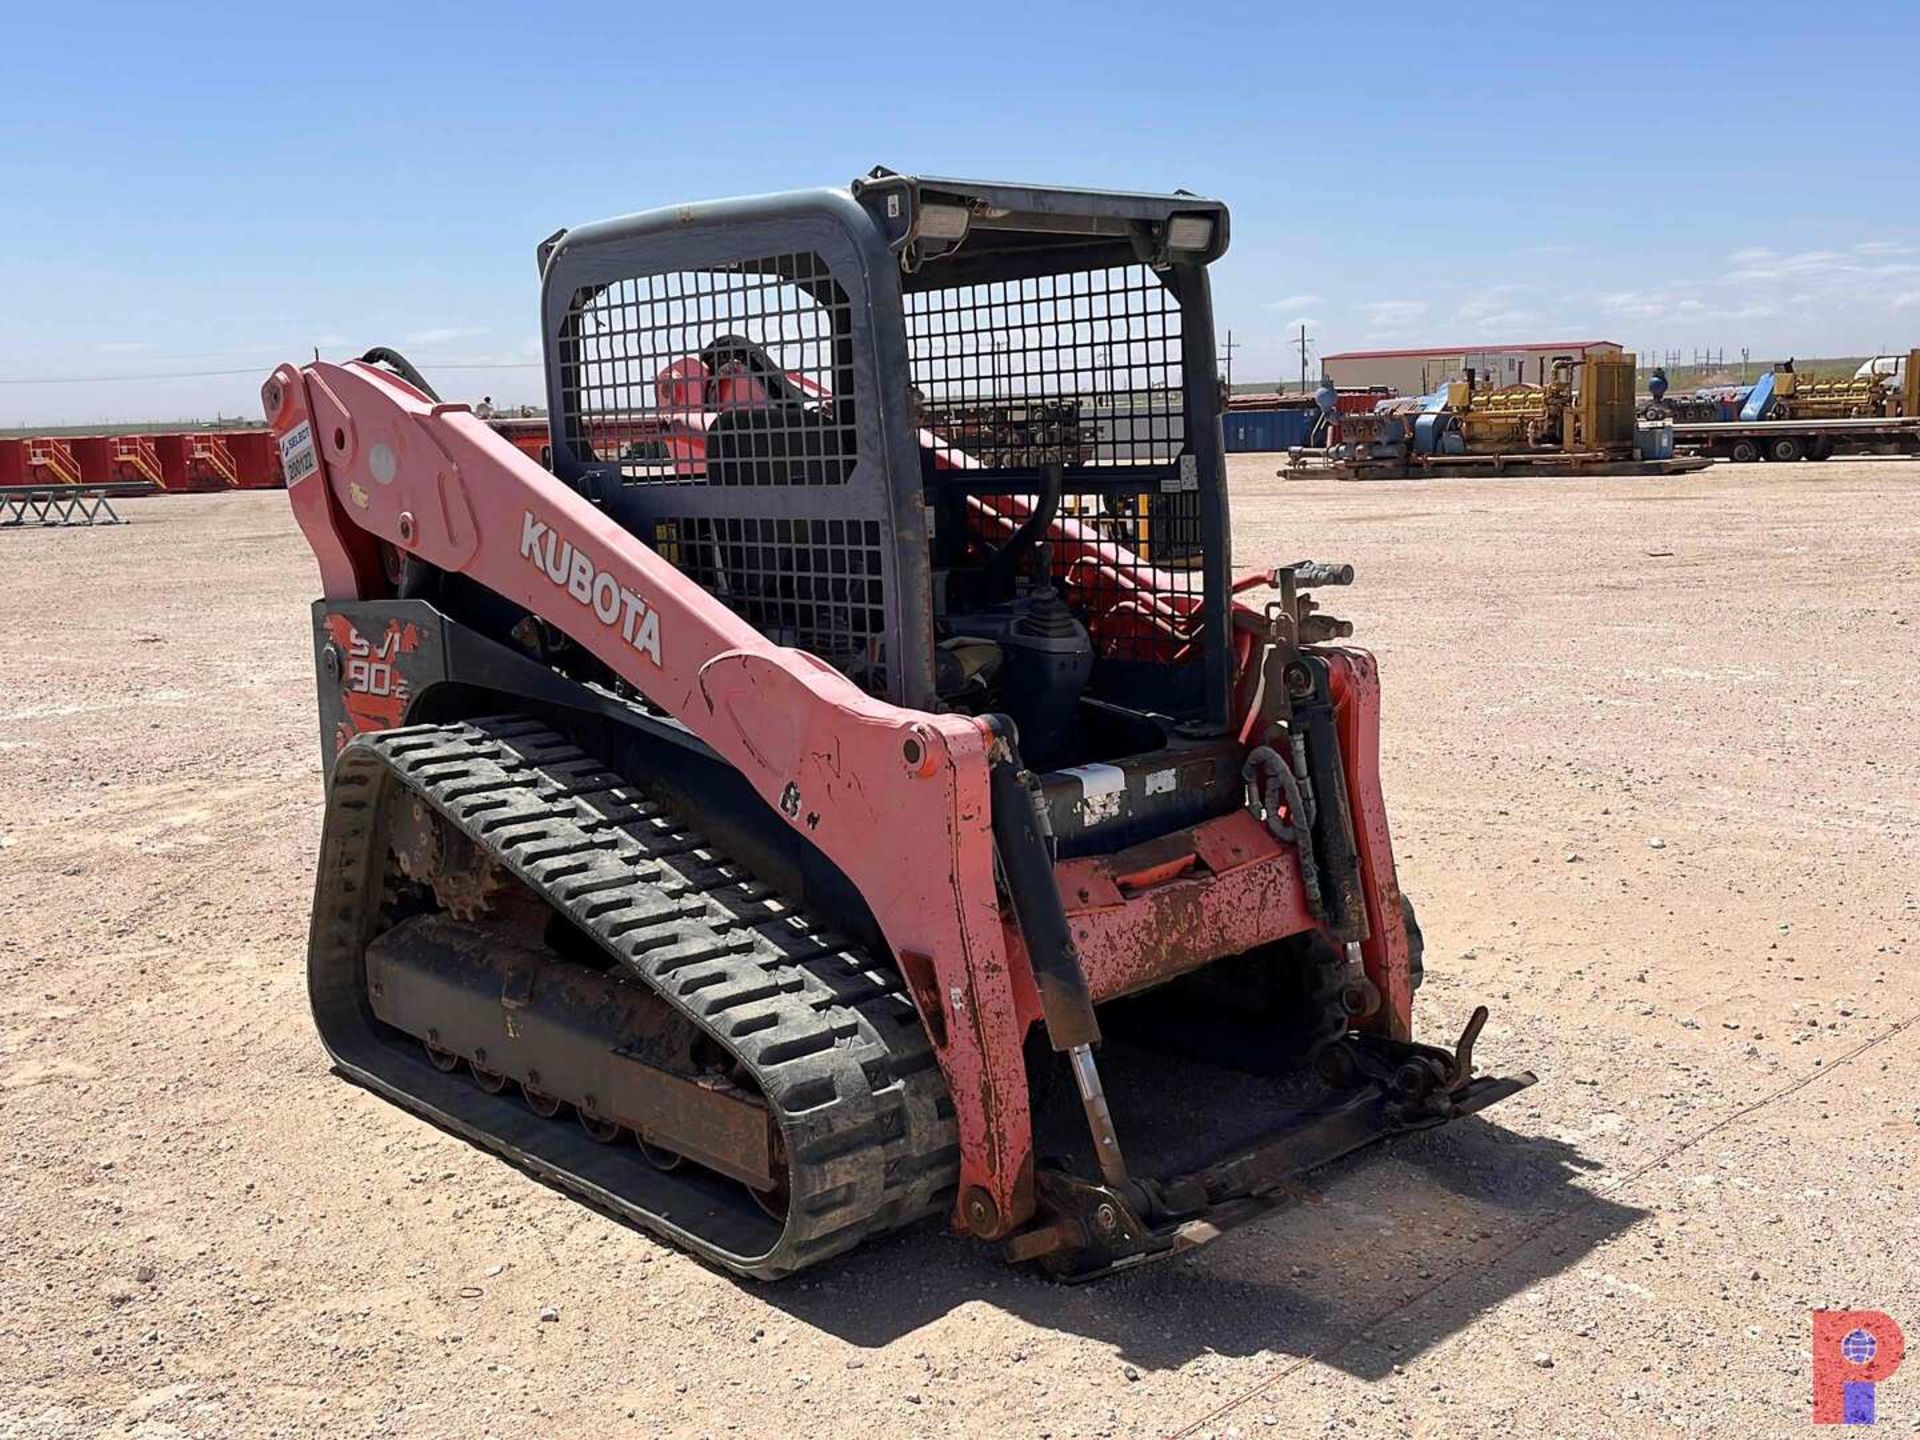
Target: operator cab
x,y
960,439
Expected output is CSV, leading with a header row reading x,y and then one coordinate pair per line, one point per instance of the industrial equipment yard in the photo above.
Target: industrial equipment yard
x,y
1652,748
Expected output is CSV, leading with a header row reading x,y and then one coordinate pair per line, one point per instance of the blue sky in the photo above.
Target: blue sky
x,y
211,187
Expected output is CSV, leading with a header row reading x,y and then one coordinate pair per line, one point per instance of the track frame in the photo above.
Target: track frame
x,y
830,1038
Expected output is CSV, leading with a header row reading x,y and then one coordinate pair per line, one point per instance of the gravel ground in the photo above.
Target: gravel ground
x,y
1653,753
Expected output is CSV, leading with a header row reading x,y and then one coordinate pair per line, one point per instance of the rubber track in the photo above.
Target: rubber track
x,y
831,1038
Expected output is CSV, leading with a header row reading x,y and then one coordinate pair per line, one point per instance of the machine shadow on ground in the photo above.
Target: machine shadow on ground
x,y
1387,1254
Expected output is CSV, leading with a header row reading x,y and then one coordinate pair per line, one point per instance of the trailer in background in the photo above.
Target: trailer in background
x,y
1745,441
1786,416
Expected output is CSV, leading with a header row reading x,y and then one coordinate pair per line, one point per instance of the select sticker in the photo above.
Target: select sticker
x,y
297,457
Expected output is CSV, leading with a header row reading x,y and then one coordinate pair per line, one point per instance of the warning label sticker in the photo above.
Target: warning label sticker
x,y
297,457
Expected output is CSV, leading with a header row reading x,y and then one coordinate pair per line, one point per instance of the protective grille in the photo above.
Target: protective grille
x,y
815,584
735,375
1083,370
1079,368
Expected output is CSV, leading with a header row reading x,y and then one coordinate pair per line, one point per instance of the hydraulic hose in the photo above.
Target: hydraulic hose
x,y
995,574
403,367
416,576
1273,783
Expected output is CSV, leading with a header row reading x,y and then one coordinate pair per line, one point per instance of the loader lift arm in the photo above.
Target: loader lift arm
x,y
371,459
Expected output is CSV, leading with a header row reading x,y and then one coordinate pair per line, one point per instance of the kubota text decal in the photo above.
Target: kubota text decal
x,y
609,600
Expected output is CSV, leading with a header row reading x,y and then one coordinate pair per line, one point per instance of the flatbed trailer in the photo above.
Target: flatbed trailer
x,y
1318,464
1783,440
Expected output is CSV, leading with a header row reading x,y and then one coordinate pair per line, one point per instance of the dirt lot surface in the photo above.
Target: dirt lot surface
x,y
1653,753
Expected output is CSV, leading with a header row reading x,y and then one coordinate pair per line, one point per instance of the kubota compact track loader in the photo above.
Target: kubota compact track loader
x,y
854,786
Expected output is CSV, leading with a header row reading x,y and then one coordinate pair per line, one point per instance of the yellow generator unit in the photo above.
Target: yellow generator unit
x,y
1598,415
1593,417
1512,418
1515,417
1798,397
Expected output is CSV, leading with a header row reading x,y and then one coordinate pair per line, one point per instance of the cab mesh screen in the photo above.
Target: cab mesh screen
x,y
736,375
1083,370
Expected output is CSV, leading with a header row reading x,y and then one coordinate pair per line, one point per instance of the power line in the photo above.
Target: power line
x,y
103,379
261,370
484,364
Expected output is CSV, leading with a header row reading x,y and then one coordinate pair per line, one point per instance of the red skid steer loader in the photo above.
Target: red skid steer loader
x,y
853,786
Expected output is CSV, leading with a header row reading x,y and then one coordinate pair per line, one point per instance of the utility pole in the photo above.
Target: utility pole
x,y
1229,347
1303,359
